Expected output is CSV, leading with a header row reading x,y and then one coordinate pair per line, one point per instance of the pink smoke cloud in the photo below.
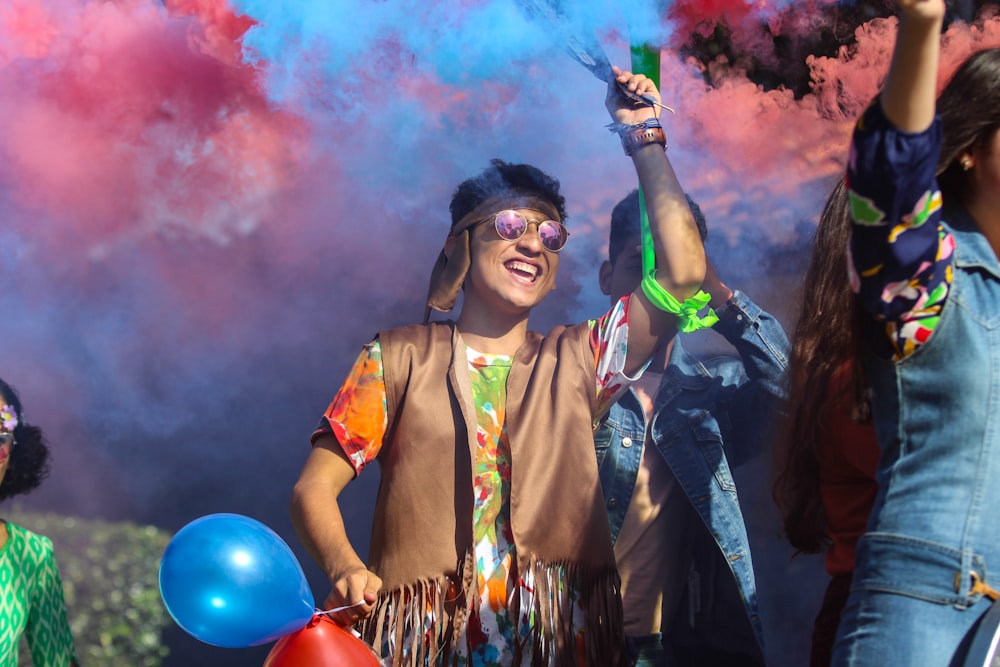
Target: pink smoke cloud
x,y
770,156
125,118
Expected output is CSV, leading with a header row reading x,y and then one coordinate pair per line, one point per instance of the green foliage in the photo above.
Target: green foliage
x,y
109,574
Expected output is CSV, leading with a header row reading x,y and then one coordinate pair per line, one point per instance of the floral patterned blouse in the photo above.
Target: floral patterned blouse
x,y
357,417
900,260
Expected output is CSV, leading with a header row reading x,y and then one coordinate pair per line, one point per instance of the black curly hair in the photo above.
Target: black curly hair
x,y
29,458
503,176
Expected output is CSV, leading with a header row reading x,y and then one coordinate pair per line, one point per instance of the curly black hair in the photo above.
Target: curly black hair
x,y
29,458
503,176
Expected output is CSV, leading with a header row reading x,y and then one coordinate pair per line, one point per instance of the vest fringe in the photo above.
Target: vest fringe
x,y
399,618
599,596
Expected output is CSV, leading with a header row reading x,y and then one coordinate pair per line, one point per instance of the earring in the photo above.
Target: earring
x,y
966,164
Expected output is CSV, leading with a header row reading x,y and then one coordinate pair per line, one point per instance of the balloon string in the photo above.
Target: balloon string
x,y
339,609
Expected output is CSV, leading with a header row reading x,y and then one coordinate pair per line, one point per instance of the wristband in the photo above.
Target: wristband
x,y
619,128
636,136
686,311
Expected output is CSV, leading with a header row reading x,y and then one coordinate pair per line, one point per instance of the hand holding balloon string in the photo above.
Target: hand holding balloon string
x,y
353,594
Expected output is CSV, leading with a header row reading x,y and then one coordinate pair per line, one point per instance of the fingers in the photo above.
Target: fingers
x,y
339,612
353,596
632,98
630,90
372,587
640,84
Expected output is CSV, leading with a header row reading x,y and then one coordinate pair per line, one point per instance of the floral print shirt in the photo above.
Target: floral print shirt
x,y
357,417
900,259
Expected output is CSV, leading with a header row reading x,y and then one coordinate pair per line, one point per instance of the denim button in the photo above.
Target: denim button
x,y
612,503
626,442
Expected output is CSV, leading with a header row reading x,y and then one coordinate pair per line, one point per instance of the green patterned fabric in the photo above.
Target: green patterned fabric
x,y
31,601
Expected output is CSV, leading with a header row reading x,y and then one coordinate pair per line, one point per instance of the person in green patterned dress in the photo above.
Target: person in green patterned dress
x,y
490,543
31,593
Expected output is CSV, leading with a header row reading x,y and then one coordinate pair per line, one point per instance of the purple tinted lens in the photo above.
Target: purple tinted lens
x,y
510,225
553,235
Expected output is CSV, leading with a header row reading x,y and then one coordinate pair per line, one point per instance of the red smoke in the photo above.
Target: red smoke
x,y
128,118
759,148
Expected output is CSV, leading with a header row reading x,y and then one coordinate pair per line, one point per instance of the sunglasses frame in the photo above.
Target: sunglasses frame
x,y
538,227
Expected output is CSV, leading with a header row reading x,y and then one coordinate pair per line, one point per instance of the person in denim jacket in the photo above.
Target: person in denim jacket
x,y
924,181
680,541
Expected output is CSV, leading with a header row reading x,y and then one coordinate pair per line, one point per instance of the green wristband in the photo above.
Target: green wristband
x,y
688,319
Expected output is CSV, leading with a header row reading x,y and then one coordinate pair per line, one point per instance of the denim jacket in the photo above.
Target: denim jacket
x,y
707,415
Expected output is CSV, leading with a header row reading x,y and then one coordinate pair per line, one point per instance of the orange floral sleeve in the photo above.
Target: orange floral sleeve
x,y
357,414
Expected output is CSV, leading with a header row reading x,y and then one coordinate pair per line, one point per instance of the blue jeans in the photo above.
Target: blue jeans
x,y
890,630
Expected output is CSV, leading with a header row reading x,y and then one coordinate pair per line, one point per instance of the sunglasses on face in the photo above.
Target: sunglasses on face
x,y
6,440
511,226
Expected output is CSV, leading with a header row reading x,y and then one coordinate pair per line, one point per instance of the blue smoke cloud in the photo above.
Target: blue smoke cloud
x,y
300,43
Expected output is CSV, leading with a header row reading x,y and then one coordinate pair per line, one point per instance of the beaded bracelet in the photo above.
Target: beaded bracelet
x,y
686,311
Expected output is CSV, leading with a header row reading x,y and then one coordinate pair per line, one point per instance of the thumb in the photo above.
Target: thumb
x,y
372,587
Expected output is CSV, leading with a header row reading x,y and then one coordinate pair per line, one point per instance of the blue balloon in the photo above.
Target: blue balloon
x,y
230,581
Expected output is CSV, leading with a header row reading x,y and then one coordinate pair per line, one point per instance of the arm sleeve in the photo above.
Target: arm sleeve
x,y
357,416
759,339
900,255
48,632
763,348
609,344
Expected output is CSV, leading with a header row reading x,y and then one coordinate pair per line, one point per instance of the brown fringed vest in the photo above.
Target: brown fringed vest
x,y
422,534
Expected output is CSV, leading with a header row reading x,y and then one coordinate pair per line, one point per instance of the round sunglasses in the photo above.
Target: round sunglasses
x,y
511,226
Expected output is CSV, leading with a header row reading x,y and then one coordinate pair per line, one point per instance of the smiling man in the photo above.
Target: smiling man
x,y
490,544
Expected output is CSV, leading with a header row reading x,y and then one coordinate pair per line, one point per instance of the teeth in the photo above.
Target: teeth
x,y
522,266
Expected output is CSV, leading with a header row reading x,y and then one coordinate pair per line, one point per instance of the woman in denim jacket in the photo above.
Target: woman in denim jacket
x,y
923,261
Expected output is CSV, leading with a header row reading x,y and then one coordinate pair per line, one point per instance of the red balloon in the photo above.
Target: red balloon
x,y
322,643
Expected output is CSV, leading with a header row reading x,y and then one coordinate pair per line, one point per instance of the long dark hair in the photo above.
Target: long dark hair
x,y
29,458
969,107
825,338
